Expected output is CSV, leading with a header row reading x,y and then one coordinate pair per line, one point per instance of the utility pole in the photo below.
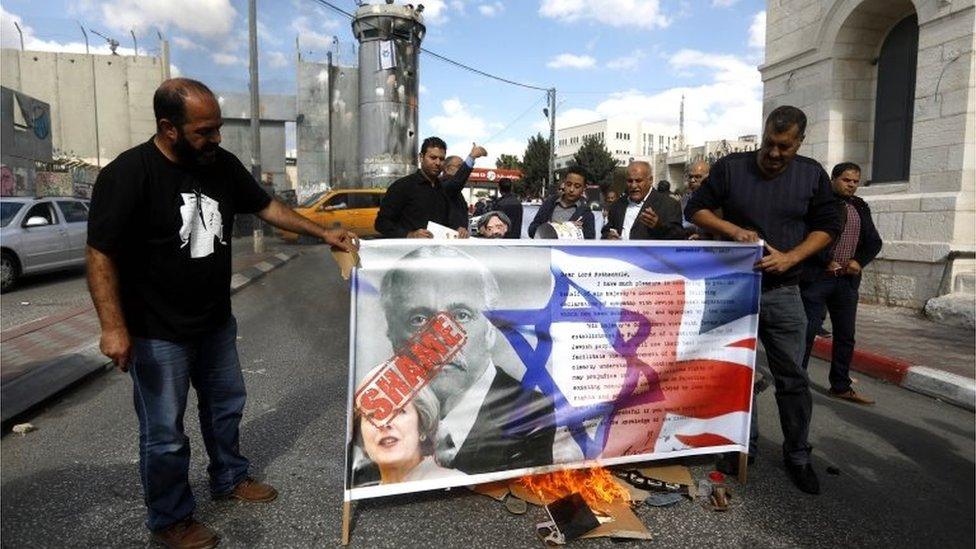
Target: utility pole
x,y
135,43
21,33
552,135
252,16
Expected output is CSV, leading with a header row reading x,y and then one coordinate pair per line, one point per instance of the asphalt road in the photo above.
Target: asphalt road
x,y
37,296
907,465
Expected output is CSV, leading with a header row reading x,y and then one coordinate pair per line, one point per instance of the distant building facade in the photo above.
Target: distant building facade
x,y
625,138
890,85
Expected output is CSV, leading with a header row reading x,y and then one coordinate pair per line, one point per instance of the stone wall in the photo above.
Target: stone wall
x,y
821,56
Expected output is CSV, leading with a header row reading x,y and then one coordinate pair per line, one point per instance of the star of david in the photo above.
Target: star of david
x,y
640,384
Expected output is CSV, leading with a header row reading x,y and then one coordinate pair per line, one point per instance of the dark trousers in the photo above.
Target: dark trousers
x,y
839,295
162,372
782,331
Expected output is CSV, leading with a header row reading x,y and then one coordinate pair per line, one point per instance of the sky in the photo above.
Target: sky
x,y
606,58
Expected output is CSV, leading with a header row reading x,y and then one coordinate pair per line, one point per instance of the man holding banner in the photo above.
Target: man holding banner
x,y
786,200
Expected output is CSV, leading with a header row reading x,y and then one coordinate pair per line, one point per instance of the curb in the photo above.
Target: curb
x,y
51,378
951,388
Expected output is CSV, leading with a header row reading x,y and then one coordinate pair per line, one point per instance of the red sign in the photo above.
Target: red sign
x,y
398,380
492,175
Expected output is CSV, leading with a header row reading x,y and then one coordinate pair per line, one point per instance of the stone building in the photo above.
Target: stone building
x,y
890,85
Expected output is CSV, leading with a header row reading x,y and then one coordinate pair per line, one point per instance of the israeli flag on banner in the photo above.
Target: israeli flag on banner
x,y
387,53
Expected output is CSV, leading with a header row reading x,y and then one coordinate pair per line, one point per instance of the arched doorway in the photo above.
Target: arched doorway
x,y
895,103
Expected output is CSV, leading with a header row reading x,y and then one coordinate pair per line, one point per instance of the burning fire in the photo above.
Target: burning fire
x,y
597,486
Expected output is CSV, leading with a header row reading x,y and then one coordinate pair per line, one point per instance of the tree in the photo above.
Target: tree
x,y
508,162
535,165
596,161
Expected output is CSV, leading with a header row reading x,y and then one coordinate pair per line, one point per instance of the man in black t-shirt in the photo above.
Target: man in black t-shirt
x,y
786,200
159,268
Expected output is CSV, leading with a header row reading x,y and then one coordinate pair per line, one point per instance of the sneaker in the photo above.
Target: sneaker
x,y
187,534
823,332
851,396
252,491
728,464
804,477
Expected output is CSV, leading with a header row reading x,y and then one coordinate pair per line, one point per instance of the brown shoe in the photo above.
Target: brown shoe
x,y
851,396
187,534
252,491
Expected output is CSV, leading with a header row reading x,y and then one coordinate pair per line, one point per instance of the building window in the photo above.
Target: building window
x,y
895,103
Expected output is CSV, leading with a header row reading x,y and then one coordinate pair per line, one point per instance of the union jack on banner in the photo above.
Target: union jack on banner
x,y
643,350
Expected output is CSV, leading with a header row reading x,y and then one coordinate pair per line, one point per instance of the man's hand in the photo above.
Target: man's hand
x,y
776,262
341,238
420,233
463,232
117,345
694,236
477,151
648,218
834,267
742,235
853,268
612,234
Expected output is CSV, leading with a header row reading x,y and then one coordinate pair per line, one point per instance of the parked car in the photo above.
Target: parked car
x,y
354,209
39,235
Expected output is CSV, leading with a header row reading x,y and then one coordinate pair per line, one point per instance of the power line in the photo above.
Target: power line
x,y
458,64
512,123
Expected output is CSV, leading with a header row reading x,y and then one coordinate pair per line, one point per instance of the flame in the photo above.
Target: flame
x,y
597,486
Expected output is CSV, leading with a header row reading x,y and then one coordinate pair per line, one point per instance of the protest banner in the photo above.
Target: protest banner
x,y
474,361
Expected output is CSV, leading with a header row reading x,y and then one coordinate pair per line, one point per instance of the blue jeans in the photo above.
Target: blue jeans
x,y
782,331
162,372
839,294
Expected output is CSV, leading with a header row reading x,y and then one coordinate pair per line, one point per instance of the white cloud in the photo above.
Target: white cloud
x,y
571,61
757,30
616,13
457,121
627,62
268,35
728,105
422,89
174,71
491,10
497,148
723,3
186,44
278,60
312,36
10,39
228,59
205,18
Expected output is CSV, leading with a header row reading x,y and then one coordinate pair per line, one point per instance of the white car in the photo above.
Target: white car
x,y
41,234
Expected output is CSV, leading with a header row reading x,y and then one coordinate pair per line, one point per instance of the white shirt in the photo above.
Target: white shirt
x,y
633,209
459,421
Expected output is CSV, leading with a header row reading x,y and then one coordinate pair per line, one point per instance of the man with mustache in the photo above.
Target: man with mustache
x,y
488,422
159,268
784,199
642,214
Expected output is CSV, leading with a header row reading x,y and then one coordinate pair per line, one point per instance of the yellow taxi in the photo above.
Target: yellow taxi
x,y
354,209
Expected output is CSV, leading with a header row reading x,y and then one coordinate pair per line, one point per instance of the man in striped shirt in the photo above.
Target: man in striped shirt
x,y
832,277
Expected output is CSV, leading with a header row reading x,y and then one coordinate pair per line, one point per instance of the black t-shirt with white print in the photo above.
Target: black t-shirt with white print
x,y
168,228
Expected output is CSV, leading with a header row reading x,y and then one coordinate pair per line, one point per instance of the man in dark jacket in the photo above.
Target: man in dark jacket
x,y
510,204
785,199
643,215
568,205
832,277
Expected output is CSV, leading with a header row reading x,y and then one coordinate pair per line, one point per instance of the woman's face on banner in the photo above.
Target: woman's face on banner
x,y
397,442
460,295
